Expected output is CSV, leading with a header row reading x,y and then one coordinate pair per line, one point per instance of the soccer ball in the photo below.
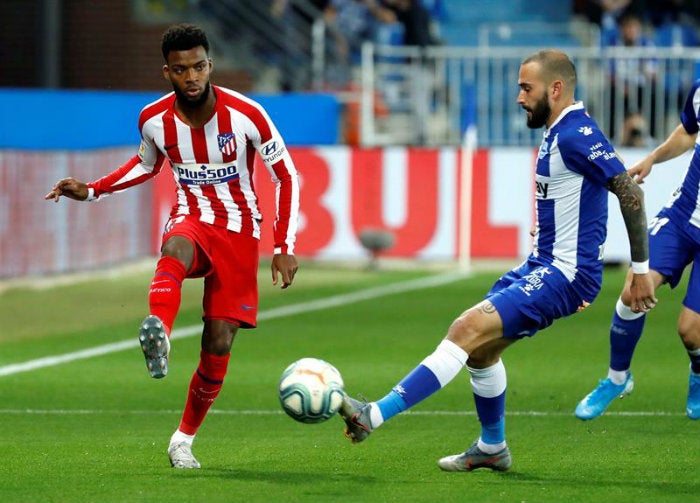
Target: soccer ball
x,y
311,390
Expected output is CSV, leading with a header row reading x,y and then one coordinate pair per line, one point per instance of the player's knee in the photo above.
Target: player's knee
x,y
179,248
218,337
218,346
465,331
689,332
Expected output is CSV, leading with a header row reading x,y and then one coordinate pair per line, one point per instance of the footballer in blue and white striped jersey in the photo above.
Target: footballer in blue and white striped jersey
x,y
576,167
674,244
684,206
574,164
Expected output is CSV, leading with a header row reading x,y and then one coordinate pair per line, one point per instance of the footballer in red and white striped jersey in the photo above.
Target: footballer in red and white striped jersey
x,y
213,165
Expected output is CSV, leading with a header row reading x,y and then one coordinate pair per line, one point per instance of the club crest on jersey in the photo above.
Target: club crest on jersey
x,y
227,143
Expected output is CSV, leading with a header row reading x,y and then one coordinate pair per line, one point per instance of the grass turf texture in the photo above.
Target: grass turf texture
x,y
97,429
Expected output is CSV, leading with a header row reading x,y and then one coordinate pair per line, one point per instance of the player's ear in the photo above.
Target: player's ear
x,y
556,89
166,73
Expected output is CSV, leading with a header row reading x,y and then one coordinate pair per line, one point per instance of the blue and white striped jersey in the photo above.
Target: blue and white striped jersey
x,y
574,164
684,206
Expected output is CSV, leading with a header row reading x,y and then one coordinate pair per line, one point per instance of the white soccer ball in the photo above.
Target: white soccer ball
x,y
311,390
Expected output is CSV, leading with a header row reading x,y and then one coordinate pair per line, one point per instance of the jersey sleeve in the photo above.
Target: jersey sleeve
x,y
586,151
269,144
689,114
143,166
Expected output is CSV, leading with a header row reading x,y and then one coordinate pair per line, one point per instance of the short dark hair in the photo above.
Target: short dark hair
x,y
183,37
555,65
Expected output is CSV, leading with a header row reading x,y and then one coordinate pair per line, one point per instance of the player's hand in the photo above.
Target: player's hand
x,y
286,265
70,188
641,170
641,290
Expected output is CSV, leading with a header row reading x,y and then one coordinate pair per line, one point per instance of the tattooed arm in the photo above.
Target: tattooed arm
x,y
631,198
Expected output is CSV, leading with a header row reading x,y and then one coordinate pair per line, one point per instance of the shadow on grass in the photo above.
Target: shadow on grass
x,y
649,487
279,477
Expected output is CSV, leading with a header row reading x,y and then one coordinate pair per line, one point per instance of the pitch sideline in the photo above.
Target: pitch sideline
x,y
290,310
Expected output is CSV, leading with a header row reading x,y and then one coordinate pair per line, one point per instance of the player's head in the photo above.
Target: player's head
x,y
547,82
187,64
183,37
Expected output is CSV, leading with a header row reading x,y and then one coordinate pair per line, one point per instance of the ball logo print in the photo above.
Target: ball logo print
x,y
311,390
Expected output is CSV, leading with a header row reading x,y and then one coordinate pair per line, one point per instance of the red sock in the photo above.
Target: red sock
x,y
166,290
204,387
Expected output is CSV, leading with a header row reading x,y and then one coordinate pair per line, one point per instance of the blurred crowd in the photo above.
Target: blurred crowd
x,y
661,22
641,24
348,24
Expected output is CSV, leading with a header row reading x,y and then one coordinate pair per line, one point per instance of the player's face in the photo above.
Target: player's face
x,y
188,72
533,96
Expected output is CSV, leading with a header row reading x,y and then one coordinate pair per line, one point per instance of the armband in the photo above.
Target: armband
x,y
640,267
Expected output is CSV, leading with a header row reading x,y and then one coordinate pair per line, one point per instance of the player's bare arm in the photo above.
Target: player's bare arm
x,y
631,198
641,170
285,265
70,188
678,142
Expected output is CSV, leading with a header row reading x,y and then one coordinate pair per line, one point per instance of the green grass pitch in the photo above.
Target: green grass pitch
x,y
96,429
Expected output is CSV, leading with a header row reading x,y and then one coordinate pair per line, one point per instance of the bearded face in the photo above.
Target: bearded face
x,y
192,101
539,113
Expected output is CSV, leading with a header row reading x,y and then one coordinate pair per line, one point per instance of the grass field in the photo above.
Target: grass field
x,y
96,429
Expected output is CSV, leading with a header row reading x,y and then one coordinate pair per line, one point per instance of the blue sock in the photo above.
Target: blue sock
x,y
434,372
489,388
416,386
625,331
492,416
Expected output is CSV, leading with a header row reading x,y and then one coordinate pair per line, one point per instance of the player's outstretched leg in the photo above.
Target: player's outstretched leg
x,y
693,403
434,372
155,346
474,458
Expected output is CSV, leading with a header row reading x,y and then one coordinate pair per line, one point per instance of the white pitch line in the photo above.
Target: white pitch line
x,y
302,307
519,413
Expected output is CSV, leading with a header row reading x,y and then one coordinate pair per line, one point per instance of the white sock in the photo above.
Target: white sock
x,y
617,376
446,361
375,415
490,448
178,437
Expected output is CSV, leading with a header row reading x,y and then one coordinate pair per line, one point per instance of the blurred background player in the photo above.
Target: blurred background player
x,y
208,134
576,168
674,242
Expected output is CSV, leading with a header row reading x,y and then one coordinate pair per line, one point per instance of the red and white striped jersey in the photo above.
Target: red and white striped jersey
x,y
213,165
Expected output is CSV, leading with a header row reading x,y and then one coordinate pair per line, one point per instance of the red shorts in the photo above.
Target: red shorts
x,y
229,263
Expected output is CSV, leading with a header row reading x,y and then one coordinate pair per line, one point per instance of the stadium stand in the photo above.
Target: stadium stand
x,y
464,17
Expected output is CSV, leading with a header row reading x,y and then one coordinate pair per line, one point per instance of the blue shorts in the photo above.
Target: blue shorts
x,y
531,296
671,249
